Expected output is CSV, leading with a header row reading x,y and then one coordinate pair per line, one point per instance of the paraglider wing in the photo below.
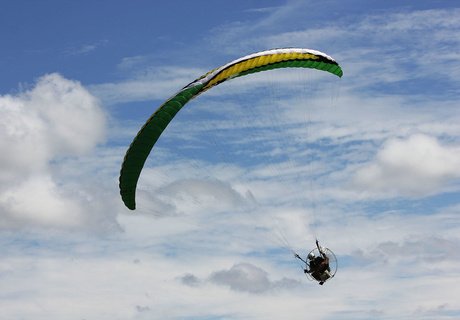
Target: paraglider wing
x,y
146,138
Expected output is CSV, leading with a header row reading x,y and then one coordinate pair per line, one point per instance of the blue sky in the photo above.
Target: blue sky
x,y
248,171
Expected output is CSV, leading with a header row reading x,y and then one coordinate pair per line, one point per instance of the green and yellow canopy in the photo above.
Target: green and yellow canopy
x,y
146,138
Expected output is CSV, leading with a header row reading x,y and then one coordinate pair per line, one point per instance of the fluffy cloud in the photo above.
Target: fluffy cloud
x,y
38,200
55,119
415,166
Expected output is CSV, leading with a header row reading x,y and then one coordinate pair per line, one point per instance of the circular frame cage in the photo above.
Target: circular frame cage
x,y
332,262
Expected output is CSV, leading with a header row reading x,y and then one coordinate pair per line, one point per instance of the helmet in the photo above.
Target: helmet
x,y
311,256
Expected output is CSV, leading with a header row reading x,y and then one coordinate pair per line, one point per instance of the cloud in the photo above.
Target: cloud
x,y
242,277
39,128
207,195
85,48
188,187
190,280
58,117
428,253
38,201
416,166
48,121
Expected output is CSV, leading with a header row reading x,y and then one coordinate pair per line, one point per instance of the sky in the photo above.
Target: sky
x,y
246,174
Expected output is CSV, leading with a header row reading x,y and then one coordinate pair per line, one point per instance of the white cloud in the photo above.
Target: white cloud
x,y
55,119
38,201
419,165
201,195
189,187
85,48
